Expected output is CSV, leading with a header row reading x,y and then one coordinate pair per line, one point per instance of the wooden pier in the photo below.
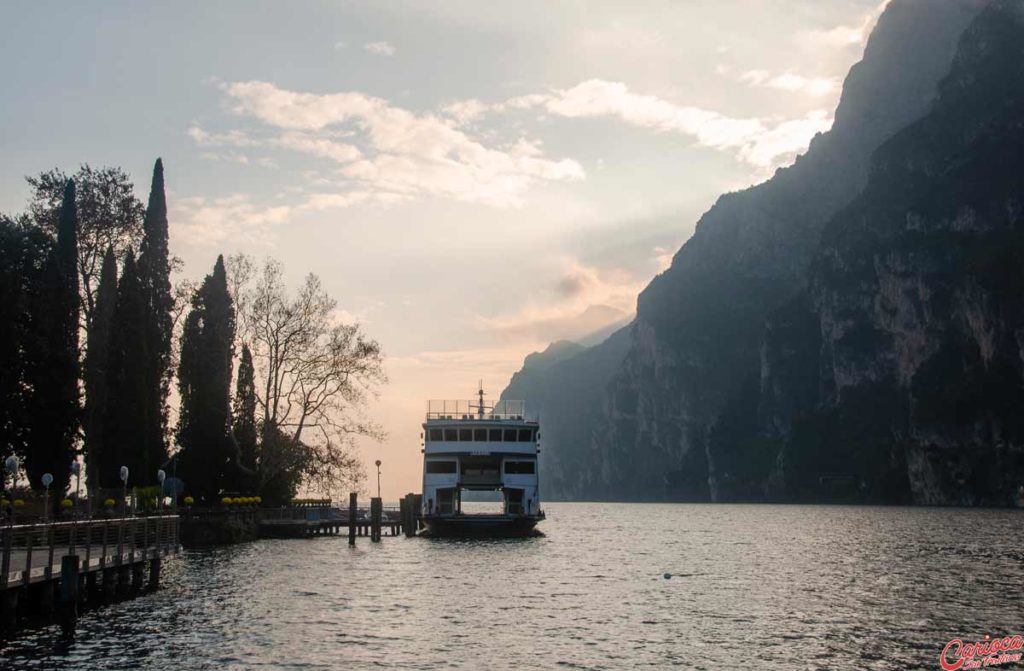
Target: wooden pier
x,y
51,568
307,521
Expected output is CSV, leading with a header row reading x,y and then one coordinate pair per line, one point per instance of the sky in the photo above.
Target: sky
x,y
470,181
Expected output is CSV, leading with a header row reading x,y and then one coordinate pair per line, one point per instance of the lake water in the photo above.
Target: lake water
x,y
752,587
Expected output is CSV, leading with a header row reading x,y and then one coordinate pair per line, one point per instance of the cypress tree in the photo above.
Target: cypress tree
x,y
24,251
154,271
54,411
207,458
96,362
124,419
245,431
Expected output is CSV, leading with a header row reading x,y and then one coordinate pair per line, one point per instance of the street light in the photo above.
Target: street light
x,y
378,477
124,491
47,481
160,477
11,465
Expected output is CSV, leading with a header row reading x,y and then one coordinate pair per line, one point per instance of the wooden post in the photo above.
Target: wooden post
x,y
44,596
9,609
409,518
402,511
92,590
5,562
68,593
353,510
417,509
27,578
109,584
138,571
88,546
103,556
376,509
154,574
124,580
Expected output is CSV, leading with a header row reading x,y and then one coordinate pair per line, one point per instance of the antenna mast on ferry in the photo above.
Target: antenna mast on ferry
x,y
480,408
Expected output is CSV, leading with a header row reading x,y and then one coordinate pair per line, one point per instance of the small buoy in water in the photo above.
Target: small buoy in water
x,y
667,576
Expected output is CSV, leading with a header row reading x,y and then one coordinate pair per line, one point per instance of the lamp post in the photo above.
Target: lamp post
x,y
47,480
378,477
11,465
124,491
160,477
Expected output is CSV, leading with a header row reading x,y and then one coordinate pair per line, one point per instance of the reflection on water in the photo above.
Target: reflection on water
x,y
760,587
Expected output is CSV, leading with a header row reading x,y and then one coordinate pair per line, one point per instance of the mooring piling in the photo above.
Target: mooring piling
x,y
154,574
69,567
409,515
376,509
353,511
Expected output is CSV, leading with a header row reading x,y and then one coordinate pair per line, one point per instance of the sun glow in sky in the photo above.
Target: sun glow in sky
x,y
470,180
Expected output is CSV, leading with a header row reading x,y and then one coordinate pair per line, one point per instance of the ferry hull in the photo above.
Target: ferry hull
x,y
482,525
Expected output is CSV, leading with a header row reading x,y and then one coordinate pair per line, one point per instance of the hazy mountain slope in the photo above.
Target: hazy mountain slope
x,y
566,391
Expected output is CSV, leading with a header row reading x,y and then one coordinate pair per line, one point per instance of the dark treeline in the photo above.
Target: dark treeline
x,y
88,354
59,281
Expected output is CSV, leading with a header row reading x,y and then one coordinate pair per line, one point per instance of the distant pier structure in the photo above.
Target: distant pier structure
x,y
326,519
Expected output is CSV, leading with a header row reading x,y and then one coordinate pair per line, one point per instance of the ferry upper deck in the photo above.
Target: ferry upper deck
x,y
454,427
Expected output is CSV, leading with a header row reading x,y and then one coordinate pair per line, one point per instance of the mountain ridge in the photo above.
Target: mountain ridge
x,y
685,376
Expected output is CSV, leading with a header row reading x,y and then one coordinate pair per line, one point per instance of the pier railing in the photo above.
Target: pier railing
x,y
309,513
32,552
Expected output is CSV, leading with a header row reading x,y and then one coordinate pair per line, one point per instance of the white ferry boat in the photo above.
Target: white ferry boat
x,y
480,447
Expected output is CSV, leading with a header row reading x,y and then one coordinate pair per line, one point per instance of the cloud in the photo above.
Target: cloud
x,y
583,300
812,86
380,48
663,257
845,36
209,222
318,146
229,156
233,138
465,111
763,143
400,154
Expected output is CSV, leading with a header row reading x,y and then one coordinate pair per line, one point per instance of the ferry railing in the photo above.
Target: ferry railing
x,y
491,410
32,552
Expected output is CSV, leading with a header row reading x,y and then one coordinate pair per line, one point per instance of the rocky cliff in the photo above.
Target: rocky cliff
x,y
699,398
910,381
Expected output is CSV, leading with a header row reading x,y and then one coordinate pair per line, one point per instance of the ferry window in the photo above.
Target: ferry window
x,y
495,435
451,434
440,467
436,434
525,435
466,435
510,435
480,435
519,467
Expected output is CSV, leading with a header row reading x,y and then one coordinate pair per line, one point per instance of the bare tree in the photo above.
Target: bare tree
x,y
109,215
314,374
